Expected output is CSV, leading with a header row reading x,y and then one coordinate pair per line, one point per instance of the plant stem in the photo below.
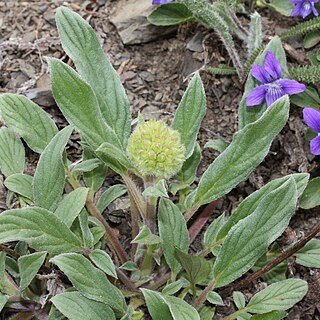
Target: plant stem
x,y
151,215
125,280
147,264
283,256
135,218
188,215
203,296
235,314
9,251
159,283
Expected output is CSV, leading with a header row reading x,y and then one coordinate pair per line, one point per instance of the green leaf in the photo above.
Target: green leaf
x,y
214,298
156,305
85,166
175,286
173,232
187,174
21,184
250,114
82,46
278,296
40,228
6,285
79,105
190,113
27,119
180,309
29,266
75,306
273,315
250,237
49,178
3,301
309,255
311,195
146,237
157,190
217,144
206,313
114,157
11,153
239,299
71,205
282,6
197,268
248,148
89,280
103,261
311,39
249,204
212,231
170,14
110,195
55,314
309,98
86,233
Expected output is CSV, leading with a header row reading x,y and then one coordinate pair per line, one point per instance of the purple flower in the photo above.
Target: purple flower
x,y
273,87
303,8
312,119
161,1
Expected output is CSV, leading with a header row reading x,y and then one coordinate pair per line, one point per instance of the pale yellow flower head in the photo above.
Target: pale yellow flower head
x,y
155,149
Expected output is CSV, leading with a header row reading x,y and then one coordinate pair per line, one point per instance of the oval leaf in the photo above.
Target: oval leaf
x,y
20,183
103,261
40,228
310,198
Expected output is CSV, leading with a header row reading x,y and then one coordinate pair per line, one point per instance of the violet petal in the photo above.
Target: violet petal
x,y
315,146
158,2
314,10
273,94
291,86
306,9
272,66
312,118
260,73
296,11
256,96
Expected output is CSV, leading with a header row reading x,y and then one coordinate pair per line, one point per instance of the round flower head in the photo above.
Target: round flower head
x,y
155,149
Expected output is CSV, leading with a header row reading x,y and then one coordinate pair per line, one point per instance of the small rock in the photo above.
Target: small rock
x,y
130,19
195,44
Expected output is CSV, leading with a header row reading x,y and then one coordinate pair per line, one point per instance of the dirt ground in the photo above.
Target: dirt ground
x,y
155,75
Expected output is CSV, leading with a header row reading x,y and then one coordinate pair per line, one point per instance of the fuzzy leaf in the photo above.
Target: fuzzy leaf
x,y
278,296
20,183
103,261
3,301
75,306
212,231
89,280
11,153
239,299
29,266
110,195
250,114
82,45
27,119
249,204
86,234
170,14
85,166
255,33
158,190
71,205
248,148
180,309
173,232
197,268
273,315
217,144
190,113
40,228
250,237
309,255
146,237
49,178
79,105
215,298
311,195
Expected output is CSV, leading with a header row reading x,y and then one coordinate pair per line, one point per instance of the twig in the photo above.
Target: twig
x,y
286,254
9,251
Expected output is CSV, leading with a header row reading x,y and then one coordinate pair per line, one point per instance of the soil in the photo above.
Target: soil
x,y
155,76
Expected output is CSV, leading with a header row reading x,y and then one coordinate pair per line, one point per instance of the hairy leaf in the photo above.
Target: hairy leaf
x,y
110,195
273,315
71,205
278,296
20,183
173,232
217,144
309,255
75,306
89,280
248,148
310,197
103,261
157,190
82,44
239,299
27,119
49,178
11,153
40,228
190,113
250,237
29,266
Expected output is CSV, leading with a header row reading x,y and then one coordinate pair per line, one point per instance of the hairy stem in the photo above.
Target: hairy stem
x,y
203,296
9,251
283,256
